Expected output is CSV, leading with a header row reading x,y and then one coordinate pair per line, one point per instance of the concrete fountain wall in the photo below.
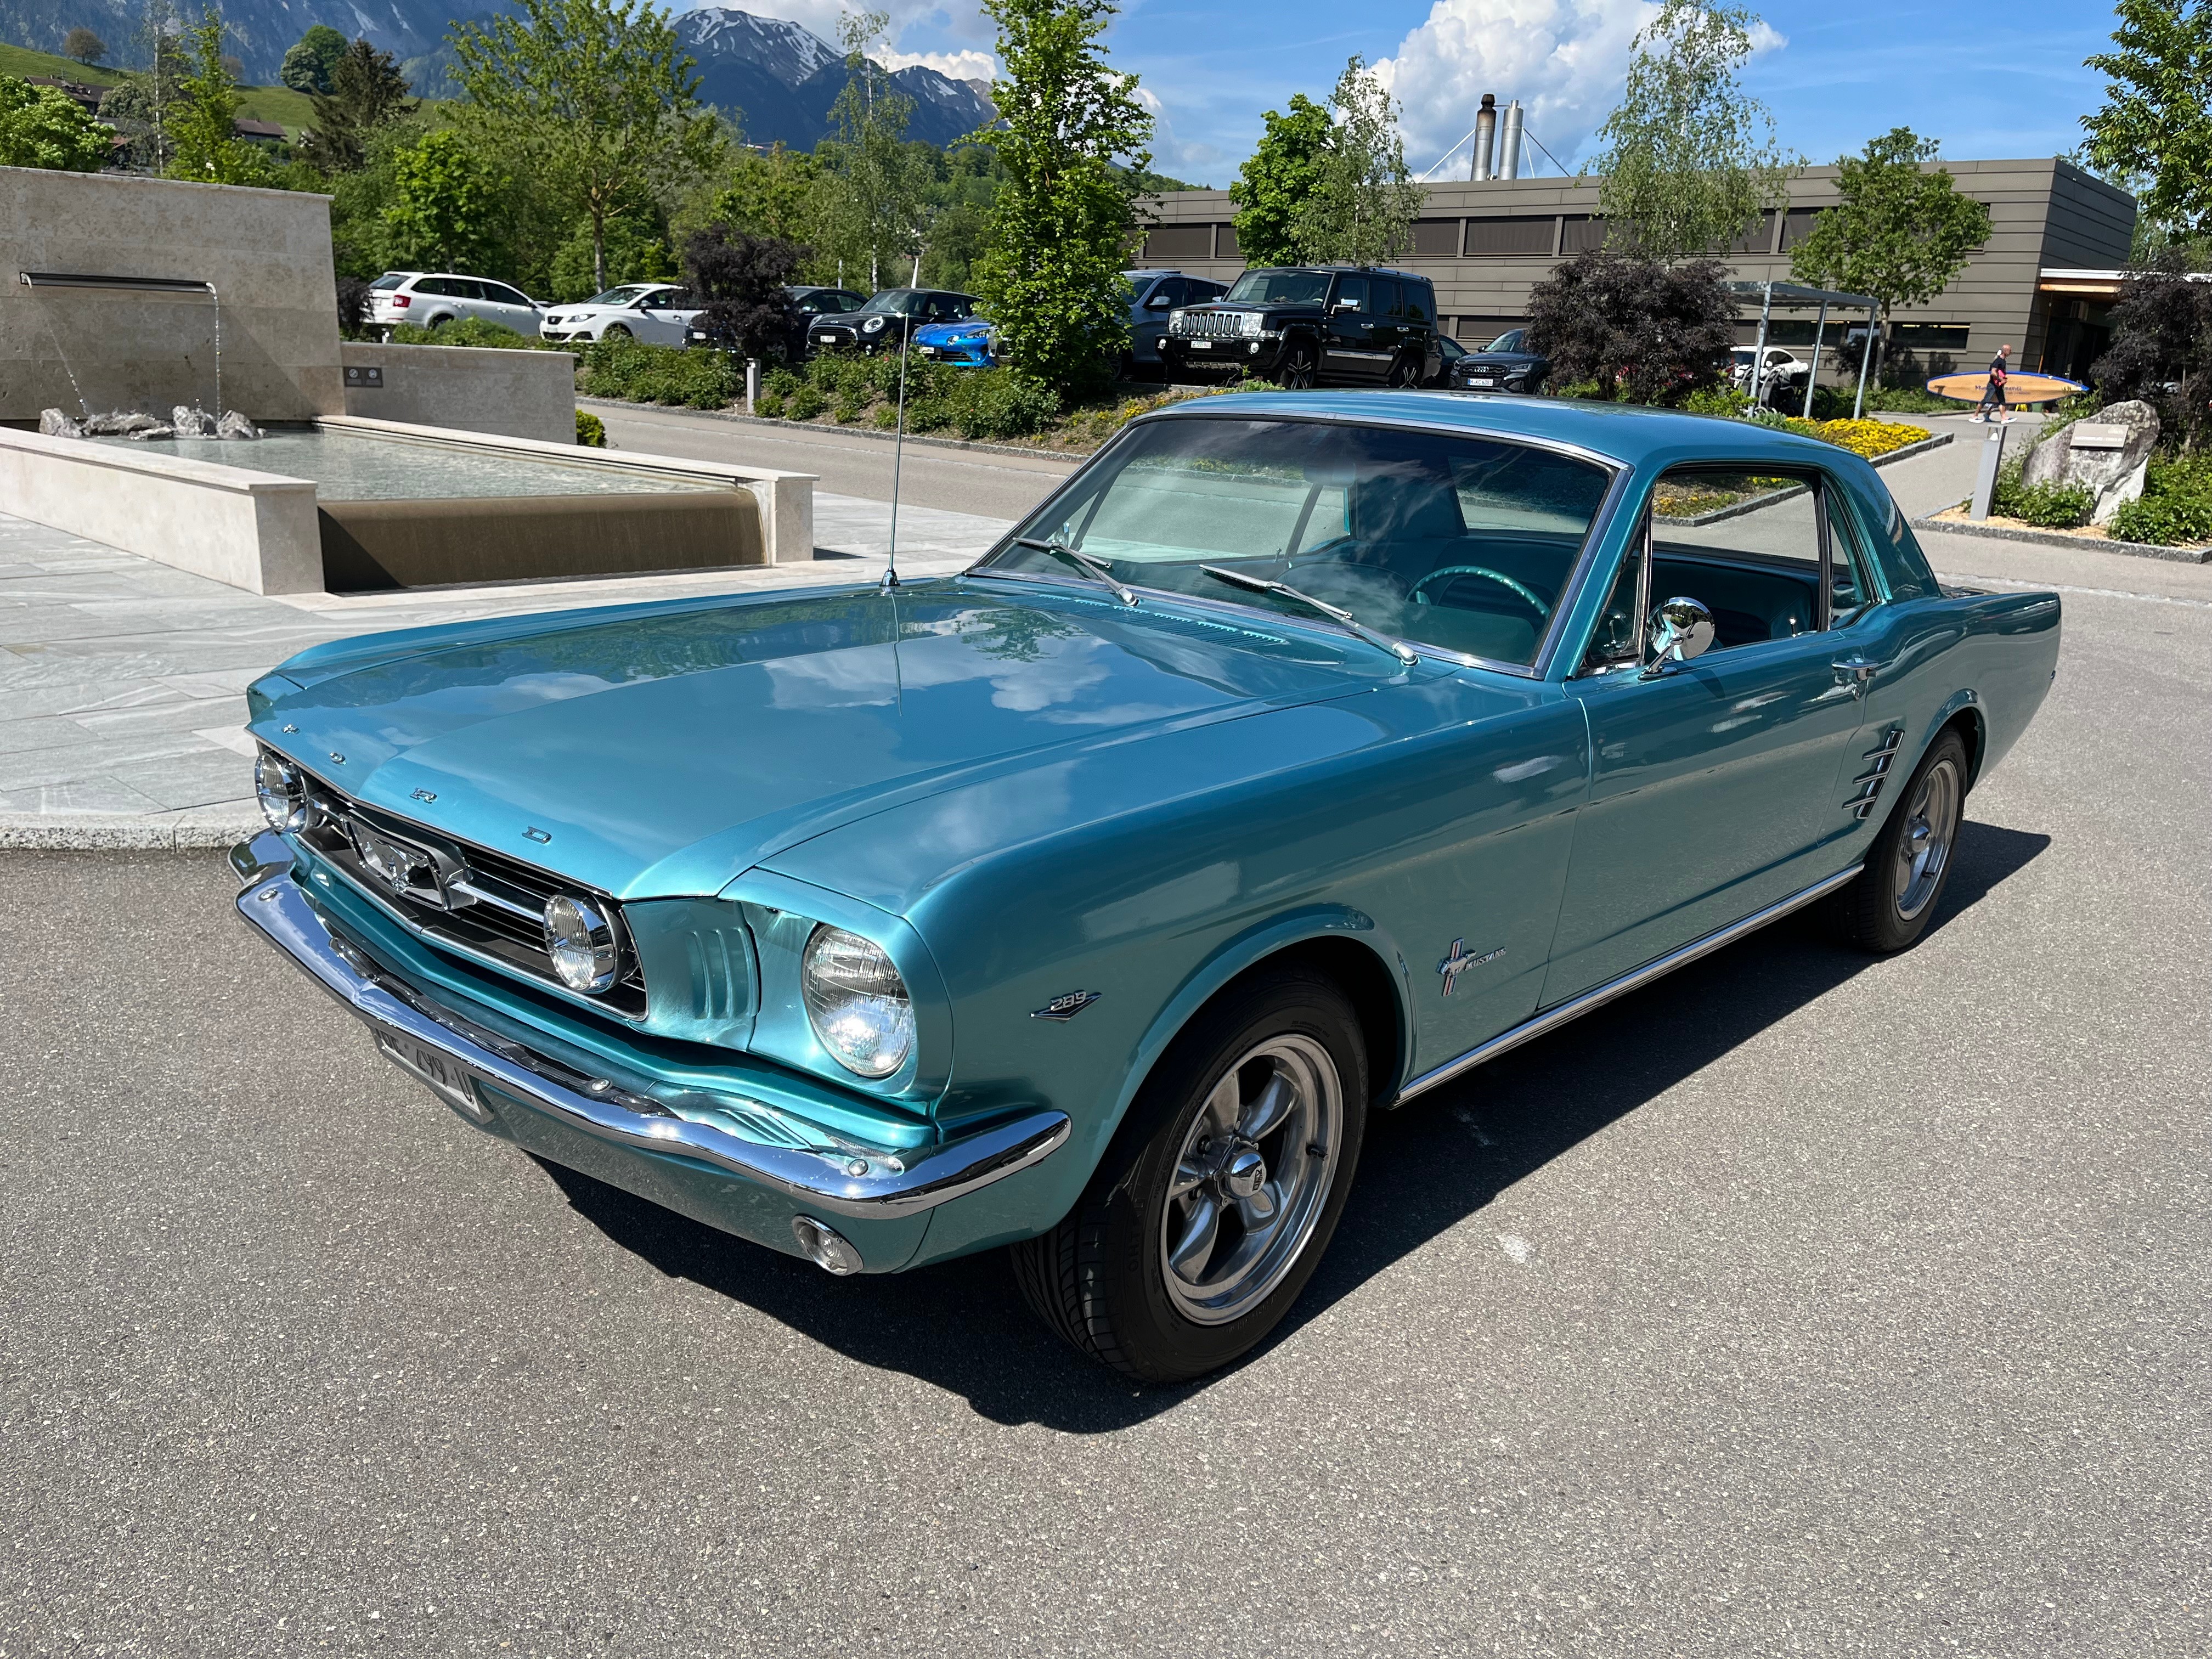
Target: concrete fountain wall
x,y
267,252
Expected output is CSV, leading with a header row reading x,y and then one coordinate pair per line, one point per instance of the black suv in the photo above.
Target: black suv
x,y
1505,364
884,320
1313,325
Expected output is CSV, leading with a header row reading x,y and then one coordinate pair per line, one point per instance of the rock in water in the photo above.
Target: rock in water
x,y
54,424
235,425
151,430
120,424
2107,454
191,422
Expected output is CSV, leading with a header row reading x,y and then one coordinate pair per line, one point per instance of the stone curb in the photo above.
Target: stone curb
x,y
1070,456
195,829
2053,538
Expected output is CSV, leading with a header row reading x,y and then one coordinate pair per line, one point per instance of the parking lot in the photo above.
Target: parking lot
x,y
1804,1304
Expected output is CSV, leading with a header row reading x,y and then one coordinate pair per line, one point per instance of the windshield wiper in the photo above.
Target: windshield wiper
x,y
1397,648
1085,562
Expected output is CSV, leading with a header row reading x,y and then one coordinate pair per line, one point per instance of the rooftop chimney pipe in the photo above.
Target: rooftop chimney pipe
x,y
1509,142
1486,130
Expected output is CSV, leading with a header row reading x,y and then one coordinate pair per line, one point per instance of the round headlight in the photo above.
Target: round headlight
x,y
873,325
582,942
284,797
856,1002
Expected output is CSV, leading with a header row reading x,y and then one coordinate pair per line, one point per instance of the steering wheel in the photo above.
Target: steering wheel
x,y
1543,611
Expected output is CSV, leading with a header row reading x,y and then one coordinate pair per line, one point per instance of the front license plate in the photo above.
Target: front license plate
x,y
1201,345
1484,384
446,1077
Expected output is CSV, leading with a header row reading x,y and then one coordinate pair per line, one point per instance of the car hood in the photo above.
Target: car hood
x,y
1499,360
939,333
665,750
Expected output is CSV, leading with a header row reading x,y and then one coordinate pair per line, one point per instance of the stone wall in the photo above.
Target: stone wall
x,y
267,252
516,394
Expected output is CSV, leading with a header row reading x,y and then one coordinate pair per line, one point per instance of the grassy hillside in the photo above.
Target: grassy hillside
x,y
288,109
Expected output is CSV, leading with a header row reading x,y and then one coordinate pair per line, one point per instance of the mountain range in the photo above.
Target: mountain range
x,y
775,78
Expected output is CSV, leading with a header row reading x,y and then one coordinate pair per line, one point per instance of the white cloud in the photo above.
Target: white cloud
x,y
960,65
1563,59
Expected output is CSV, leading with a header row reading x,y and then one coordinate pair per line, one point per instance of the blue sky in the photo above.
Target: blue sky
x,y
1988,78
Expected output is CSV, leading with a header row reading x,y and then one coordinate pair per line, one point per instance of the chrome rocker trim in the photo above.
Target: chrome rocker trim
x,y
888,1186
1551,1019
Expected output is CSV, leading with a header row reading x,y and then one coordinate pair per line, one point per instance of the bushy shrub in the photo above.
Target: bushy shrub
x,y
780,382
661,374
468,331
1907,400
2052,507
1725,400
1655,332
806,402
591,430
2176,508
769,405
1006,405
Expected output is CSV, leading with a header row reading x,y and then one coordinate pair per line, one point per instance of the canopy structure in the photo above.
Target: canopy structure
x,y
1795,296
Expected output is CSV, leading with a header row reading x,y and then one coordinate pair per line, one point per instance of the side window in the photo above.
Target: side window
x,y
1350,291
504,294
1389,299
1170,289
1420,302
1746,546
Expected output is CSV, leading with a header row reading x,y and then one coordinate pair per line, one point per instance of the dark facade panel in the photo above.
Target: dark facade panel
x,y
1180,242
1579,232
1224,243
1436,239
1516,236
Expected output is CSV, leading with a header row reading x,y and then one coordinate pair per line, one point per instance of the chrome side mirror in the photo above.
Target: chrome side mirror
x,y
1680,629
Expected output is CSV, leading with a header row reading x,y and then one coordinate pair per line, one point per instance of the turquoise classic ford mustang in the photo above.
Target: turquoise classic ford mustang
x,y
1300,753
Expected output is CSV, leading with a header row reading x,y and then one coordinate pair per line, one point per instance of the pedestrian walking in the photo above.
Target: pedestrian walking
x,y
1993,396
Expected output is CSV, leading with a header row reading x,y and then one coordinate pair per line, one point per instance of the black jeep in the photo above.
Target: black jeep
x,y
1312,325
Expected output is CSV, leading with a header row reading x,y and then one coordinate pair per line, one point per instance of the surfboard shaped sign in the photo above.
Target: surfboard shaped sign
x,y
2020,388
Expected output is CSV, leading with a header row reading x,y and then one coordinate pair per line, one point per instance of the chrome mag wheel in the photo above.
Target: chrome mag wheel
x,y
1252,1178
1931,826
1297,371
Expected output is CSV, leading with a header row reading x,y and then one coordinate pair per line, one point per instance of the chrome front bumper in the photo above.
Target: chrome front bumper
x,y
453,1055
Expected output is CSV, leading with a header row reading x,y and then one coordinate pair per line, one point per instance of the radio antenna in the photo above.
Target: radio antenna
x,y
898,454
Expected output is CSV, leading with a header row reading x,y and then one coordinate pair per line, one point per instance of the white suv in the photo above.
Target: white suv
x,y
659,313
431,300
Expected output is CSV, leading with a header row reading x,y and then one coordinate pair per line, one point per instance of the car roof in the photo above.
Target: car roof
x,y
1629,433
1369,270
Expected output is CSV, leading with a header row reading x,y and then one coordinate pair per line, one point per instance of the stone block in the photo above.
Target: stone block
x,y
2109,457
514,394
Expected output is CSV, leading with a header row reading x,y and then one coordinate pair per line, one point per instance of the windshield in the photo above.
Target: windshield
x,y
1466,543
898,301
1279,288
1508,340
618,296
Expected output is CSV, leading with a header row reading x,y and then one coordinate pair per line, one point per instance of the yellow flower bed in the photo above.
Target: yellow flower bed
x,y
1867,438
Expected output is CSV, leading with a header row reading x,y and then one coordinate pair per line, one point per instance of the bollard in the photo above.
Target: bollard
x,y
1985,481
752,383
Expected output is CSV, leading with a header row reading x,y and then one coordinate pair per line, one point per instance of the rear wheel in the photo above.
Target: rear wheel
x,y
1404,373
1208,1218
1894,898
1297,373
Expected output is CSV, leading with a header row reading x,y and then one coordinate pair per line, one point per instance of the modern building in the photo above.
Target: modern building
x,y
2042,284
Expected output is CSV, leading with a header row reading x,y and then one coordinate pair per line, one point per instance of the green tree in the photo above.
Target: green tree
x,y
43,127
202,127
767,195
1691,157
309,65
82,45
366,94
1900,233
1276,178
871,211
445,205
1363,203
1071,141
2155,128
595,97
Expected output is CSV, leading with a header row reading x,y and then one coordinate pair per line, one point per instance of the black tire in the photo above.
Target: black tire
x,y
1901,886
1100,1279
614,331
1297,373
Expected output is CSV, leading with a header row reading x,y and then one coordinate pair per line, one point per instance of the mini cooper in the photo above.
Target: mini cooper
x,y
1298,756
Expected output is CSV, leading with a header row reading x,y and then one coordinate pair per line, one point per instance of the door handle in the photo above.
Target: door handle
x,y
1856,672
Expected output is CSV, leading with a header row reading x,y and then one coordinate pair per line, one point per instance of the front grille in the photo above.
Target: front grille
x,y
1216,325
482,904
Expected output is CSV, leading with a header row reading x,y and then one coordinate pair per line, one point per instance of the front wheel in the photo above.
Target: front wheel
x,y
1208,1218
614,331
1894,898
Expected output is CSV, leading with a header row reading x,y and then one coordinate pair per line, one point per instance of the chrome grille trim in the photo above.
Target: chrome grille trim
x,y
499,922
1216,325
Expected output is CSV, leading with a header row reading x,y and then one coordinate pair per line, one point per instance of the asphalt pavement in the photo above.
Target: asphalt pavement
x,y
1804,1303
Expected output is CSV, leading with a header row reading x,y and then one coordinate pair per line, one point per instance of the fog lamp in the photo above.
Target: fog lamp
x,y
580,941
856,1002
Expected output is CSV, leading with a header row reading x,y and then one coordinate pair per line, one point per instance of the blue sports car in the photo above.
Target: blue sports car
x,y
1301,753
970,343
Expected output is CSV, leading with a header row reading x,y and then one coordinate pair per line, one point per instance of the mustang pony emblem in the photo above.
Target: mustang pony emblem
x,y
1459,962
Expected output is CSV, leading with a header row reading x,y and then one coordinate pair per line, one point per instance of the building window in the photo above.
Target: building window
x,y
1758,236
1481,331
1436,239
1580,233
1797,227
1522,237
1224,243
1180,242
1929,336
